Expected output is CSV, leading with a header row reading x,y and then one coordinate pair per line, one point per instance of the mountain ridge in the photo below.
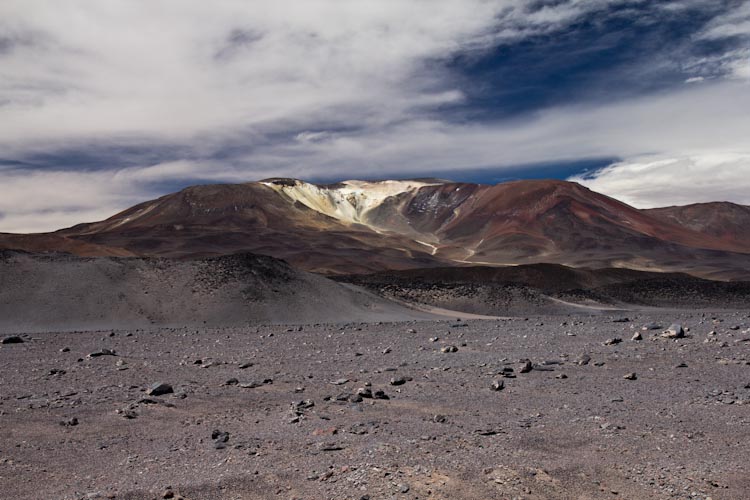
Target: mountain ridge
x,y
368,226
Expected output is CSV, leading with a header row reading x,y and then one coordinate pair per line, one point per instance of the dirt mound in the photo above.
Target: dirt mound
x,y
60,291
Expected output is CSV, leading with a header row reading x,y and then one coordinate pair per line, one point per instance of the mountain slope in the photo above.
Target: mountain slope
x,y
727,222
66,292
359,226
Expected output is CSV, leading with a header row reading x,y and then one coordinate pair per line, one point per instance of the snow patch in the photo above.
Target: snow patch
x,y
348,201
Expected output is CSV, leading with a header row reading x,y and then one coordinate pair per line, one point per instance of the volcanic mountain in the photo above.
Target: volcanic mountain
x,y
360,226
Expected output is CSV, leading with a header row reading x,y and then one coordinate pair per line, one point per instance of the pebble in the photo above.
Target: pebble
x,y
448,348
497,385
630,376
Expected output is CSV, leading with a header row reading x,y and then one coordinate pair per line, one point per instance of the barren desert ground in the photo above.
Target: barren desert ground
x,y
445,409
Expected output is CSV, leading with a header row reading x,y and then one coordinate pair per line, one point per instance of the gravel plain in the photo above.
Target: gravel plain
x,y
538,407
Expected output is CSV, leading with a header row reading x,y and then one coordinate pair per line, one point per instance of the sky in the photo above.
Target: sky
x,y
104,104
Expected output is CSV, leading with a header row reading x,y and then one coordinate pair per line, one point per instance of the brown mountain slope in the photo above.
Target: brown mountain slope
x,y
727,222
223,219
358,226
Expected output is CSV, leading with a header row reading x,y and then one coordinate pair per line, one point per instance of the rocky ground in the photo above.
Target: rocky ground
x,y
545,407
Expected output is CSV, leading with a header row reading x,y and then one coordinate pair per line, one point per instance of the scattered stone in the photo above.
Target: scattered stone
x,y
128,414
439,419
651,326
328,431
103,352
675,331
380,395
583,360
448,348
13,339
232,381
398,381
305,404
364,392
71,422
219,436
245,365
527,367
403,488
330,447
630,376
561,376
497,385
613,341
340,381
159,389
621,320
636,336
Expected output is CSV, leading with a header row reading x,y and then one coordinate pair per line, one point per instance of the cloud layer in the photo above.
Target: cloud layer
x,y
103,104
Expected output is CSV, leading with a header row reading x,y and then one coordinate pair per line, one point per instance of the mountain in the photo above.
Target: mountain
x,y
360,226
725,221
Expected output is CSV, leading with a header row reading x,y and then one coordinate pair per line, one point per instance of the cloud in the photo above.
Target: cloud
x,y
657,182
235,90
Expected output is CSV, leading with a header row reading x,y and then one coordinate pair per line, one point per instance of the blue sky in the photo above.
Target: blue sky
x,y
105,104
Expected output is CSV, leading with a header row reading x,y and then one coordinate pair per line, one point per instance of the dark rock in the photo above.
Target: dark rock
x,y
72,422
219,436
159,389
364,392
449,348
380,395
103,352
13,339
497,385
527,367
630,376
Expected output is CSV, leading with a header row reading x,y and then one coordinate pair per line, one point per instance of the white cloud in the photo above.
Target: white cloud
x,y
657,182
352,84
